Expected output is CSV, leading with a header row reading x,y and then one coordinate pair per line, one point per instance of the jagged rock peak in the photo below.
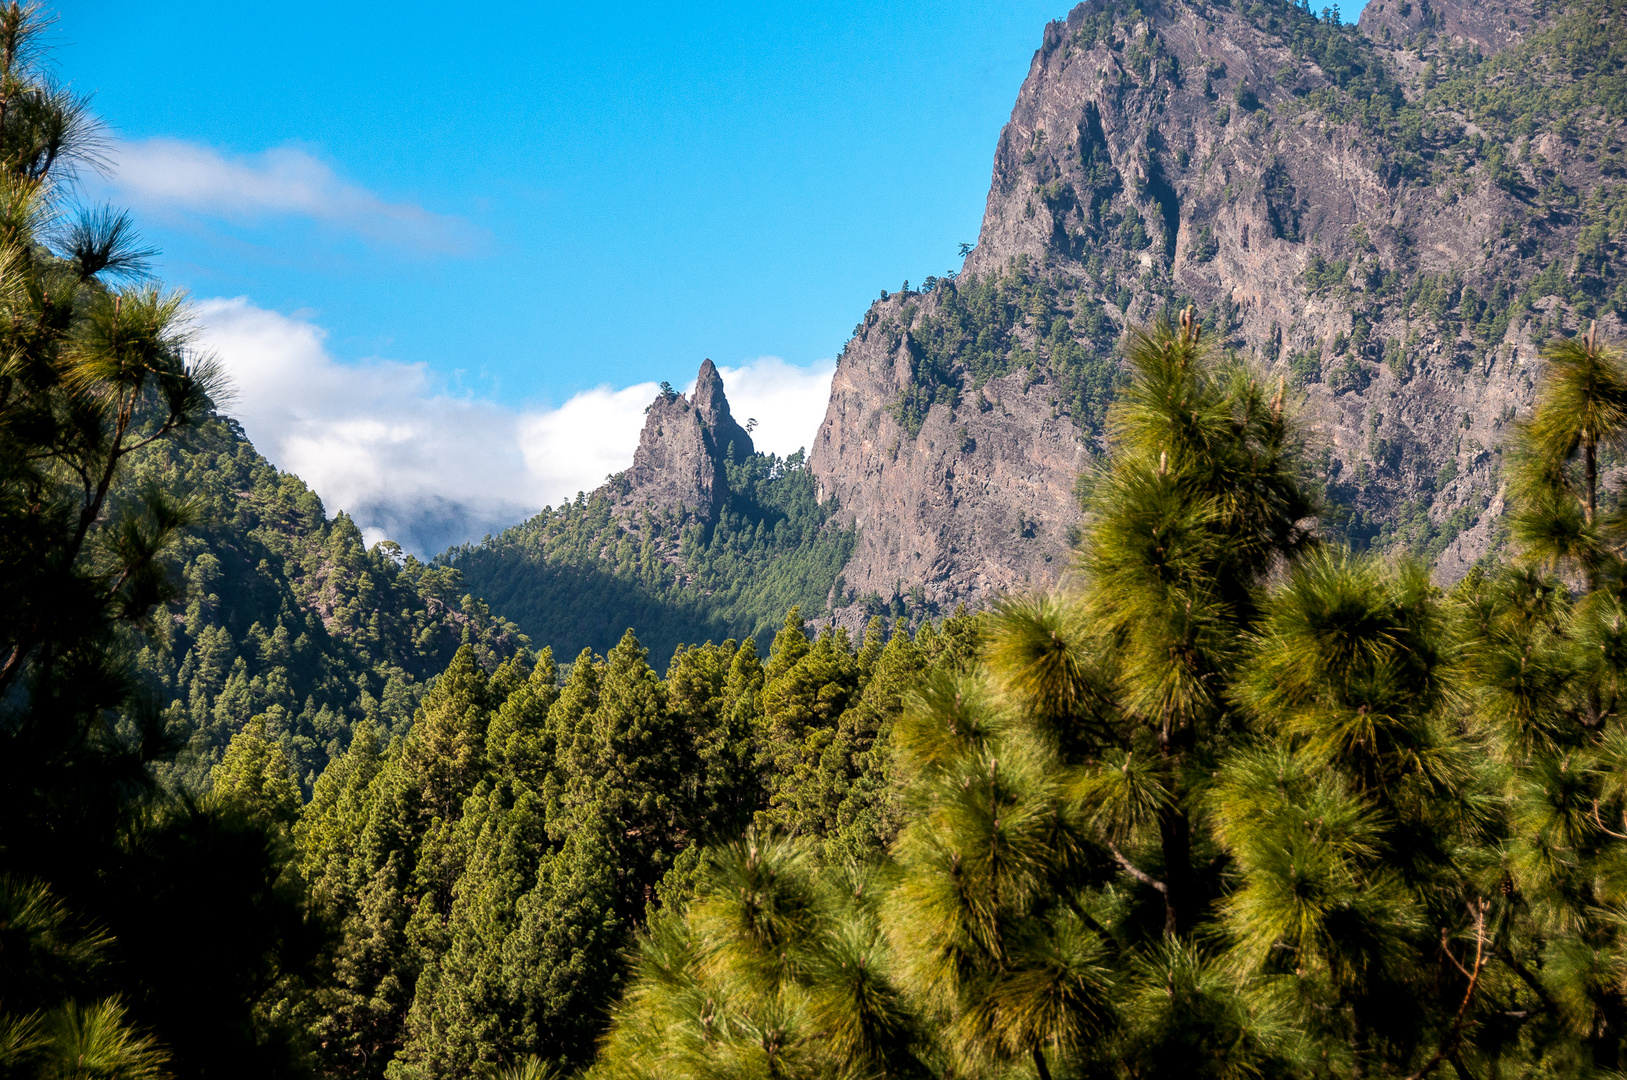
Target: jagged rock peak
x,y
679,464
713,408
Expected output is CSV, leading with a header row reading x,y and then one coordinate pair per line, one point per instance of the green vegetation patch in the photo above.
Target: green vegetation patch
x,y
578,576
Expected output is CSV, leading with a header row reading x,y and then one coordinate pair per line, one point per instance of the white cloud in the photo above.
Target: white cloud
x,y
170,174
573,448
386,442
787,401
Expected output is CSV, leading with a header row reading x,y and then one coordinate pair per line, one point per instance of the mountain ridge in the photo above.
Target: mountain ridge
x,y
1325,201
1388,218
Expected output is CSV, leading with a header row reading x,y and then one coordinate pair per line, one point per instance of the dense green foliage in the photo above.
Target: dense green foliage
x,y
487,869
576,577
287,616
1240,803
140,932
1235,802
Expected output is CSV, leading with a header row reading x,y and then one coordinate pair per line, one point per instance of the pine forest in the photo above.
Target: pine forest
x,y
1255,786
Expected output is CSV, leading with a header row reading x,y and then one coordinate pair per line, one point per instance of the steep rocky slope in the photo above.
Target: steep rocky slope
x,y
1391,218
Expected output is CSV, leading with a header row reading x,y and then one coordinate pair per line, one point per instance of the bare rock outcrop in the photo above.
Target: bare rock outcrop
x,y
679,467
979,502
1345,228
725,436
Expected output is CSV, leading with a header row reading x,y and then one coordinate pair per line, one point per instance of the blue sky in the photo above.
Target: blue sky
x,y
630,188
413,225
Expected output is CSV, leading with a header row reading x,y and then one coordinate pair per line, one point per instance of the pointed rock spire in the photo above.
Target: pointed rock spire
x,y
682,452
714,413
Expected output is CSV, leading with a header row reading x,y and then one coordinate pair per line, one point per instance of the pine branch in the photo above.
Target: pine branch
x,y
1455,1034
1137,873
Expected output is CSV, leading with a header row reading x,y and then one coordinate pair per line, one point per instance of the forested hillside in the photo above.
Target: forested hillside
x,y
1241,797
488,870
1237,798
1238,802
578,576
284,614
143,932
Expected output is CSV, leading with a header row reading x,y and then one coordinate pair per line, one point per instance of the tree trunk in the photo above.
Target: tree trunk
x,y
1175,830
1175,833
1606,1042
1040,1067
1590,468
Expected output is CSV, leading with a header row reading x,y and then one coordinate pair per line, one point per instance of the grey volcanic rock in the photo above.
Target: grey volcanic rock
x,y
980,502
725,434
679,465
1363,266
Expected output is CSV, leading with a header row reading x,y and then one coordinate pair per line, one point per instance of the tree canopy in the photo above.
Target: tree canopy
x,y
1238,802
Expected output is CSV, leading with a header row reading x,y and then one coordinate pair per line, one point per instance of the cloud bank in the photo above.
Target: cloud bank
x,y
427,468
170,175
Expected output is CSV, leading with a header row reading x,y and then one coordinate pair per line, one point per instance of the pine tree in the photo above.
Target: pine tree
x,y
563,962
445,752
869,815
519,742
98,375
359,845
255,775
51,962
770,971
384,848
803,701
743,707
462,1015
722,791
1582,408
623,766
790,645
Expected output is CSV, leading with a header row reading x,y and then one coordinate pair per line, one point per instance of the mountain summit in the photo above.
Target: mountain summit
x,y
1391,219
1388,219
682,453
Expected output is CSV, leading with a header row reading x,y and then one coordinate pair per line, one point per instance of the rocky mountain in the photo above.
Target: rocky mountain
x,y
1391,217
683,453
703,538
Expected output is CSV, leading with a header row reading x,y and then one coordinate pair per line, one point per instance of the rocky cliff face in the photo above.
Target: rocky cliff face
x,y
977,502
1490,26
1391,218
682,451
